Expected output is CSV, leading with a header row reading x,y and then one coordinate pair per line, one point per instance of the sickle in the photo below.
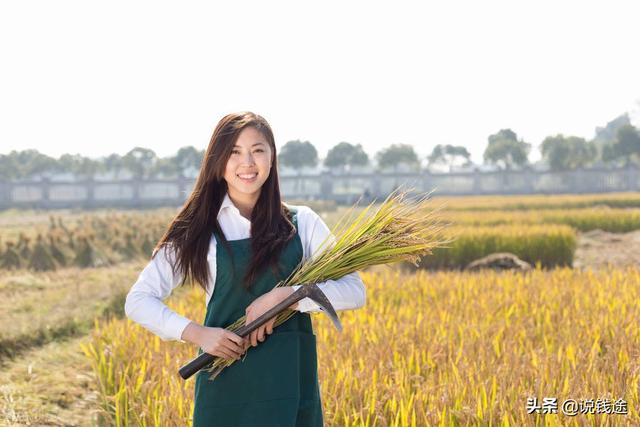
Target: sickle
x,y
311,291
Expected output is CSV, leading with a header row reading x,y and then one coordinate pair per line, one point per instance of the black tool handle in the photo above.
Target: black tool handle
x,y
205,358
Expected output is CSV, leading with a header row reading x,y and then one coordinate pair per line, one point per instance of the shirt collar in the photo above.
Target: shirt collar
x,y
227,203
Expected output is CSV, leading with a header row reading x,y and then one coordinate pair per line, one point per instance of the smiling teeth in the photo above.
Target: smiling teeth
x,y
248,176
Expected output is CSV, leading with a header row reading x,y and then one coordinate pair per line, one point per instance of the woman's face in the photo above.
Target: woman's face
x,y
249,165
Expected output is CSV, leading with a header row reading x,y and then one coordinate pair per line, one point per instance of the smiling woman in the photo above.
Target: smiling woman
x,y
247,169
237,240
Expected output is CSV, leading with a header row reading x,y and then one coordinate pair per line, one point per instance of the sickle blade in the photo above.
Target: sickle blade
x,y
316,295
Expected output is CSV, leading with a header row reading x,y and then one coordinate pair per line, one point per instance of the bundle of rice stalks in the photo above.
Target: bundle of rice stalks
x,y
11,258
61,225
22,247
52,223
41,259
130,249
57,253
400,229
147,246
71,242
88,255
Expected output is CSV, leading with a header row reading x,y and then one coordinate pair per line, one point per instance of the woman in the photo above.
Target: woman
x,y
237,240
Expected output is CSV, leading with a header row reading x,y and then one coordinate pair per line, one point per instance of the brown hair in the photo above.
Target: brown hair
x,y
190,231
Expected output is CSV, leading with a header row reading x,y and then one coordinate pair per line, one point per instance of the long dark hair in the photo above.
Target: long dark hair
x,y
190,231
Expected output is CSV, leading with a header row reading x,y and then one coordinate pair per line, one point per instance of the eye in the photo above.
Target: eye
x,y
259,150
235,152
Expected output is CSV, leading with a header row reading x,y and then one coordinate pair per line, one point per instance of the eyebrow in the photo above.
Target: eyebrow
x,y
257,143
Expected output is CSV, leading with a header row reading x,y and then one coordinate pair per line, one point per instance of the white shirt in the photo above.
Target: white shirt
x,y
156,281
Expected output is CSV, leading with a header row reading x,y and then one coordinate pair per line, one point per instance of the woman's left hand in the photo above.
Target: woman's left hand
x,y
261,305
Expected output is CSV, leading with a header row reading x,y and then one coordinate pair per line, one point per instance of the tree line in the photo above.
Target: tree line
x,y
617,144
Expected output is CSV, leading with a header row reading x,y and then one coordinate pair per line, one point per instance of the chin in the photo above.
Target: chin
x,y
243,189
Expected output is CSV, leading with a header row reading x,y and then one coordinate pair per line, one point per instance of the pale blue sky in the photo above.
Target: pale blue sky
x,y
100,77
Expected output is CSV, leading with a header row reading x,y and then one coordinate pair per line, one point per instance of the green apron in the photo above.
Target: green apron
x,y
277,382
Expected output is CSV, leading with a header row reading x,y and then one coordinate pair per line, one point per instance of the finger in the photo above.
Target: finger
x,y
261,333
224,353
240,347
220,351
254,338
211,352
234,337
232,346
270,326
232,357
229,350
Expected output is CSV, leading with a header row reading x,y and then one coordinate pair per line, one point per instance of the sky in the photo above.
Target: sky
x,y
96,78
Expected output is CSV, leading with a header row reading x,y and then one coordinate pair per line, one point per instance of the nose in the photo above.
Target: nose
x,y
247,159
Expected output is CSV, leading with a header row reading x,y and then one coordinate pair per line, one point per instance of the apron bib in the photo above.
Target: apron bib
x,y
277,382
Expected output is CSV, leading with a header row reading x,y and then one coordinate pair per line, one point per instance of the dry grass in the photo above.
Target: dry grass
x,y
49,386
43,307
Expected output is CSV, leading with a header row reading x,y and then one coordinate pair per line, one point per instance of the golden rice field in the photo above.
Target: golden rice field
x,y
548,245
521,225
545,237
581,219
430,347
439,349
541,201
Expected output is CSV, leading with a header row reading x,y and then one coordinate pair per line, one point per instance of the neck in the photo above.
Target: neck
x,y
244,202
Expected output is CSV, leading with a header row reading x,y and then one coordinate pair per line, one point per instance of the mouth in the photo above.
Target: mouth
x,y
247,177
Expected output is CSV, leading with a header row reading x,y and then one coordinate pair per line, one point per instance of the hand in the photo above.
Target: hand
x,y
261,305
221,342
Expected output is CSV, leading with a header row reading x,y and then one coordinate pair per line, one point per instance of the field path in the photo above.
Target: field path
x,y
52,385
597,248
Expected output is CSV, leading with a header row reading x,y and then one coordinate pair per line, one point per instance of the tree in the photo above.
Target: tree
x,y
608,154
506,150
570,152
297,154
140,161
186,158
627,144
79,165
27,163
396,154
346,155
114,162
606,136
449,155
609,132
8,168
166,166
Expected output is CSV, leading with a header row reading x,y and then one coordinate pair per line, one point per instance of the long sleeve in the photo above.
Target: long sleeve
x,y
144,301
346,293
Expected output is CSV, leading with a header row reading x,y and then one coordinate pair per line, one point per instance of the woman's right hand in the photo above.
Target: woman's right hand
x,y
221,342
